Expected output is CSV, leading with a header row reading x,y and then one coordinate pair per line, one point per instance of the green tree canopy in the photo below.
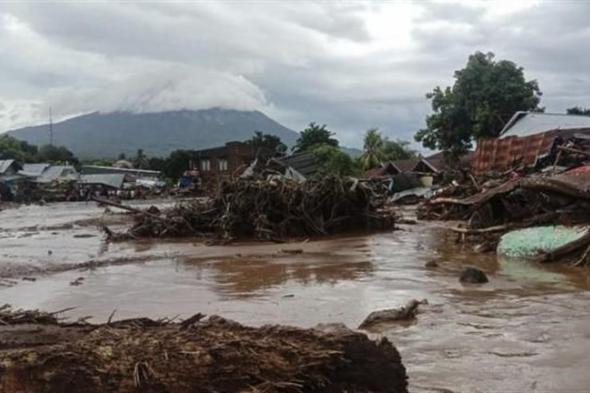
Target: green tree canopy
x,y
373,149
378,149
267,141
485,95
578,110
176,163
313,136
56,154
14,149
397,150
334,161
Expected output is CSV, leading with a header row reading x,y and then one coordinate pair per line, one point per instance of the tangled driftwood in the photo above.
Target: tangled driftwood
x,y
271,209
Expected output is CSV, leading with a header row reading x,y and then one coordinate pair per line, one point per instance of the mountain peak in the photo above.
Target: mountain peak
x,y
106,135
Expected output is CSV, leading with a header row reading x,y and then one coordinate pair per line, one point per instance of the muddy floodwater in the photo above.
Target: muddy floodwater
x,y
527,330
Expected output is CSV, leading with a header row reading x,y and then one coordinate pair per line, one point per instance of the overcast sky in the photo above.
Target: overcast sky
x,y
350,65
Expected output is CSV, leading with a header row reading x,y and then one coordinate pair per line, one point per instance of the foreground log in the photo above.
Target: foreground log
x,y
216,355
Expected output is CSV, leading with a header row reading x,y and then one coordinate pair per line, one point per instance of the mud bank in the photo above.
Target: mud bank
x,y
215,355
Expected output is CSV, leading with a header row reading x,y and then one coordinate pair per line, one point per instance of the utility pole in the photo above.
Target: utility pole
x,y
50,128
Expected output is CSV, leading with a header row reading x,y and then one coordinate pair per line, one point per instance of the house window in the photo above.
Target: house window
x,y
222,164
205,165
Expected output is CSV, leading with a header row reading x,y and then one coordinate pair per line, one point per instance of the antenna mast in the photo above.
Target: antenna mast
x,y
50,128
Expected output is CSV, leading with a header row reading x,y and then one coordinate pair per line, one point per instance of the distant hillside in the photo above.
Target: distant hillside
x,y
106,135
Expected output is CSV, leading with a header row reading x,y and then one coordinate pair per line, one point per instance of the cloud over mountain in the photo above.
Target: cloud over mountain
x,y
349,65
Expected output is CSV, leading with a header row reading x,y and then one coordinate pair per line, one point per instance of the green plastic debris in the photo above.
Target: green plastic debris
x,y
530,242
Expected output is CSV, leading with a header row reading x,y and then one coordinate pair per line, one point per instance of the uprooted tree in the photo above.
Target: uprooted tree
x,y
485,95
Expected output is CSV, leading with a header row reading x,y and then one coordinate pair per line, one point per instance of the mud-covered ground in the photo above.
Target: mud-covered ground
x,y
528,330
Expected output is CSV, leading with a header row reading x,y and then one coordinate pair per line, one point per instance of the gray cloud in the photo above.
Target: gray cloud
x,y
349,65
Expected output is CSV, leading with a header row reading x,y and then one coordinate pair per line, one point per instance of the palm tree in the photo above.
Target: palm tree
x,y
373,149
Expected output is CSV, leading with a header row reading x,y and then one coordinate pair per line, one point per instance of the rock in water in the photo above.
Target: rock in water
x,y
431,264
473,275
404,313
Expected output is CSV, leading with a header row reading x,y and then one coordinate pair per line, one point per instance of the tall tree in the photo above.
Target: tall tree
x,y
397,150
485,95
314,135
578,110
373,149
267,141
378,149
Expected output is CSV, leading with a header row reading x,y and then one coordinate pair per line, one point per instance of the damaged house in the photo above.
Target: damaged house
x,y
529,139
116,177
224,162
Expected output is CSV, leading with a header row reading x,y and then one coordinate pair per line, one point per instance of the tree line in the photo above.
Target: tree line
x,y
14,149
315,139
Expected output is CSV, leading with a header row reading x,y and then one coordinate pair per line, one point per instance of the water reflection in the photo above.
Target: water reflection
x,y
253,275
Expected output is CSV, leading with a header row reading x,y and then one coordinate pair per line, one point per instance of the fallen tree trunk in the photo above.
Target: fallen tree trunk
x,y
216,355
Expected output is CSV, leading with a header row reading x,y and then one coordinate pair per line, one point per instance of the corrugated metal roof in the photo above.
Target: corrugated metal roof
x,y
58,172
34,170
405,165
304,163
529,123
97,169
4,165
114,180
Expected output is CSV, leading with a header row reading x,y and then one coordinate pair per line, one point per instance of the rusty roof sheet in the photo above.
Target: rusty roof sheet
x,y
574,184
502,154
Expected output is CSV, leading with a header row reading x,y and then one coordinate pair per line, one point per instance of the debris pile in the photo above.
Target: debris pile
x,y
9,316
197,355
514,200
272,209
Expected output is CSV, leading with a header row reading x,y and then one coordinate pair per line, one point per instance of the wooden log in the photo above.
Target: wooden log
x,y
474,231
572,150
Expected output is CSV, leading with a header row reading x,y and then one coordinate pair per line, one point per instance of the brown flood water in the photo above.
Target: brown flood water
x,y
528,330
